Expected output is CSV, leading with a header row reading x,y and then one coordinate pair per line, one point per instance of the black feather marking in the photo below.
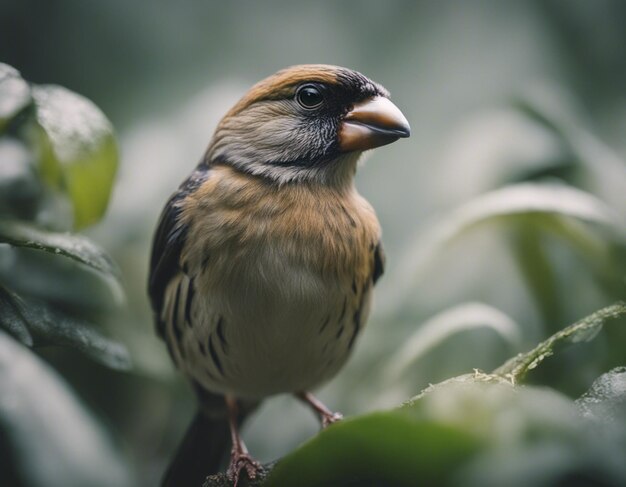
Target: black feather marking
x,y
356,319
202,347
339,332
170,350
379,262
354,285
220,334
205,263
325,324
175,324
348,216
190,293
343,310
357,326
168,243
215,357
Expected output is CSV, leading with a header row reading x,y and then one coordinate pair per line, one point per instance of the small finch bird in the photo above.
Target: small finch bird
x,y
264,259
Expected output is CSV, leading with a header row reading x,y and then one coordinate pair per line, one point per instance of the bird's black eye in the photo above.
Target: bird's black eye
x,y
309,96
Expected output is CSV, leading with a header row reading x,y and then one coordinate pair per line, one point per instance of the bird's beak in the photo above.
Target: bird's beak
x,y
372,123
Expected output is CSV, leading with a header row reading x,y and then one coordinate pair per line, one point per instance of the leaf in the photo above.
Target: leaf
x,y
535,267
388,448
437,329
79,153
20,189
506,205
53,439
606,398
584,330
11,318
528,435
14,94
603,167
73,247
482,404
37,324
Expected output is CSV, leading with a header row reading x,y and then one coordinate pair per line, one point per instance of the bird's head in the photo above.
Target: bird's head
x,y
307,123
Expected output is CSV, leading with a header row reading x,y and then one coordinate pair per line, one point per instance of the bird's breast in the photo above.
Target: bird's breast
x,y
287,270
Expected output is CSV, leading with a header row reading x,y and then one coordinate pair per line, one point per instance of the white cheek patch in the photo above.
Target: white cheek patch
x,y
364,157
274,131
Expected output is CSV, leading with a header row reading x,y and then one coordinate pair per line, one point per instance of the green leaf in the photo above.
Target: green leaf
x,y
74,247
14,94
52,438
11,318
20,189
517,203
584,330
528,435
37,324
389,448
78,150
530,253
437,329
479,404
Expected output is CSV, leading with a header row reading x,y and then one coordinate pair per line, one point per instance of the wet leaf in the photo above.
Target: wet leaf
x,y
606,398
516,368
14,94
53,440
74,247
437,329
78,150
37,324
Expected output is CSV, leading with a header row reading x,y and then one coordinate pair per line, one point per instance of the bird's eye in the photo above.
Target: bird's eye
x,y
309,96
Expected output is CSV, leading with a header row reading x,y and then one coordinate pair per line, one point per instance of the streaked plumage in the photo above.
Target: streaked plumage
x,y
264,260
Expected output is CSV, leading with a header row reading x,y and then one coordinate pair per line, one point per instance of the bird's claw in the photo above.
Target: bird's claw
x,y
242,461
330,418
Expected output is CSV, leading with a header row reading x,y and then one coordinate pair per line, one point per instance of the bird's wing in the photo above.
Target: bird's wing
x,y
379,262
168,243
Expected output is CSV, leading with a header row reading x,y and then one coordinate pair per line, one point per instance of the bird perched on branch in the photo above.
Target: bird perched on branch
x,y
264,259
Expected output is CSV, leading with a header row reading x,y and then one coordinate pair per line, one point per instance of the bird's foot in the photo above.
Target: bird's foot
x,y
326,415
329,418
242,461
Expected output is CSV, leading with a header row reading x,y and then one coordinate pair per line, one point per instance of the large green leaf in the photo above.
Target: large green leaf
x,y
74,247
37,324
520,203
473,430
390,448
14,94
516,368
78,150
52,439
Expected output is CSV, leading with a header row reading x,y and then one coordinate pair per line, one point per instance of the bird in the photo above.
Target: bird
x,y
264,259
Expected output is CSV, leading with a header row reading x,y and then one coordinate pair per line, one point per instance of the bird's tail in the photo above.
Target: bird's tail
x,y
201,452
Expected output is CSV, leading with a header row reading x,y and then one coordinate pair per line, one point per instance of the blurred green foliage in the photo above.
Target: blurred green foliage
x,y
46,434
503,218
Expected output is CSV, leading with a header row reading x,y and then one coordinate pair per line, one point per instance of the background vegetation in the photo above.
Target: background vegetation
x,y
503,218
